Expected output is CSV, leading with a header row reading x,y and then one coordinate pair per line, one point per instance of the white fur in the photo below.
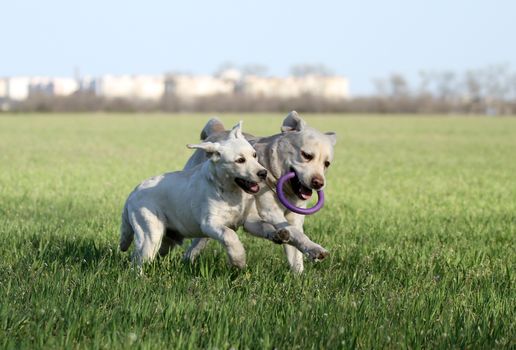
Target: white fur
x,y
279,153
203,201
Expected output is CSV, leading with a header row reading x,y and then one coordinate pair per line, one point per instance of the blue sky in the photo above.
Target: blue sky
x,y
362,40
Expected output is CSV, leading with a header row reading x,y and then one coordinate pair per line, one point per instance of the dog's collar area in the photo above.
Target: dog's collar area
x,y
271,183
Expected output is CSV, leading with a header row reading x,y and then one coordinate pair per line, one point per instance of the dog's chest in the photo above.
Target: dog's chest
x,y
232,212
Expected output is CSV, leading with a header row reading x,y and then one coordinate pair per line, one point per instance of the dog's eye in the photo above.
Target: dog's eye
x,y
254,155
326,164
240,160
307,156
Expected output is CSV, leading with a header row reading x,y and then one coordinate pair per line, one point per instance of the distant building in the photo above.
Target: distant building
x,y
53,86
143,87
41,86
20,88
149,87
88,84
291,87
3,88
188,86
230,74
4,105
15,88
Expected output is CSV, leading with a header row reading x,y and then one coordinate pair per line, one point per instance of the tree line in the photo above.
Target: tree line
x,y
490,90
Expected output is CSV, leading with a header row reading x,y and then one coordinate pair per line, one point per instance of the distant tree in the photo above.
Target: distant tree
x,y
398,85
255,69
473,86
225,66
301,70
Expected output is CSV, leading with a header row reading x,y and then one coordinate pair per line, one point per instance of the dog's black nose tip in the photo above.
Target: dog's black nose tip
x,y
317,183
262,174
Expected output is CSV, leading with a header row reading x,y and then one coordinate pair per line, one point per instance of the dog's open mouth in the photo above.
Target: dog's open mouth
x,y
248,186
303,192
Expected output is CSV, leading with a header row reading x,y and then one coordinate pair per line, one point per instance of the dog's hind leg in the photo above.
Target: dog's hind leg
x,y
126,231
148,233
194,250
169,241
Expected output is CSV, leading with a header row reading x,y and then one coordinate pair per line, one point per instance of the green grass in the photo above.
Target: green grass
x,y
420,221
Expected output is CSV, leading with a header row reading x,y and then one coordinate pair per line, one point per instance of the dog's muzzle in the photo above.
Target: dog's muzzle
x,y
301,191
250,187
262,174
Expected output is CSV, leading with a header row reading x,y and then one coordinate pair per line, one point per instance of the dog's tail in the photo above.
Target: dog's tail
x,y
213,126
126,231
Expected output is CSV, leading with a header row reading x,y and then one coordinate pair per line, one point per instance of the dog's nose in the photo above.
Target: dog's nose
x,y
317,182
262,174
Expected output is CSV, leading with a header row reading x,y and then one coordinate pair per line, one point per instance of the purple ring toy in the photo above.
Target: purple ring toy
x,y
290,206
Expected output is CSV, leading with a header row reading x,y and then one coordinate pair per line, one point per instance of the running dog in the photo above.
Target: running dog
x,y
211,200
299,148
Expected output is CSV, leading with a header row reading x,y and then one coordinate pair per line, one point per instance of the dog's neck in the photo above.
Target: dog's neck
x,y
274,165
276,168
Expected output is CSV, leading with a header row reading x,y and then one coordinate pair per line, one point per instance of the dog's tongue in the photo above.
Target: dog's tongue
x,y
305,192
254,188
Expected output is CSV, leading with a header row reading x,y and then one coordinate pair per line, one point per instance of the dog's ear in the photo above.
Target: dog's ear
x,y
211,148
332,136
293,122
236,132
213,126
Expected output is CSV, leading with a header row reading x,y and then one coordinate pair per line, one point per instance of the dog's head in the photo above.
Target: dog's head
x,y
235,161
307,152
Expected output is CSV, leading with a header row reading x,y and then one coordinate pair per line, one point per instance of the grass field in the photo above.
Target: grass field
x,y
420,221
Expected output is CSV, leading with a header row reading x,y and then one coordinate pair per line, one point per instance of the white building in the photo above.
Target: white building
x,y
148,87
15,88
188,86
65,86
53,86
3,88
20,88
332,87
144,87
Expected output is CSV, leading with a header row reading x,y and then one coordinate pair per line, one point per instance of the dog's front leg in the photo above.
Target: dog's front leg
x,y
256,226
259,228
294,255
270,212
195,248
229,240
300,243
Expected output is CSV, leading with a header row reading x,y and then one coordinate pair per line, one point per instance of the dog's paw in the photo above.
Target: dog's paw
x,y
281,236
237,263
318,254
237,258
189,257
